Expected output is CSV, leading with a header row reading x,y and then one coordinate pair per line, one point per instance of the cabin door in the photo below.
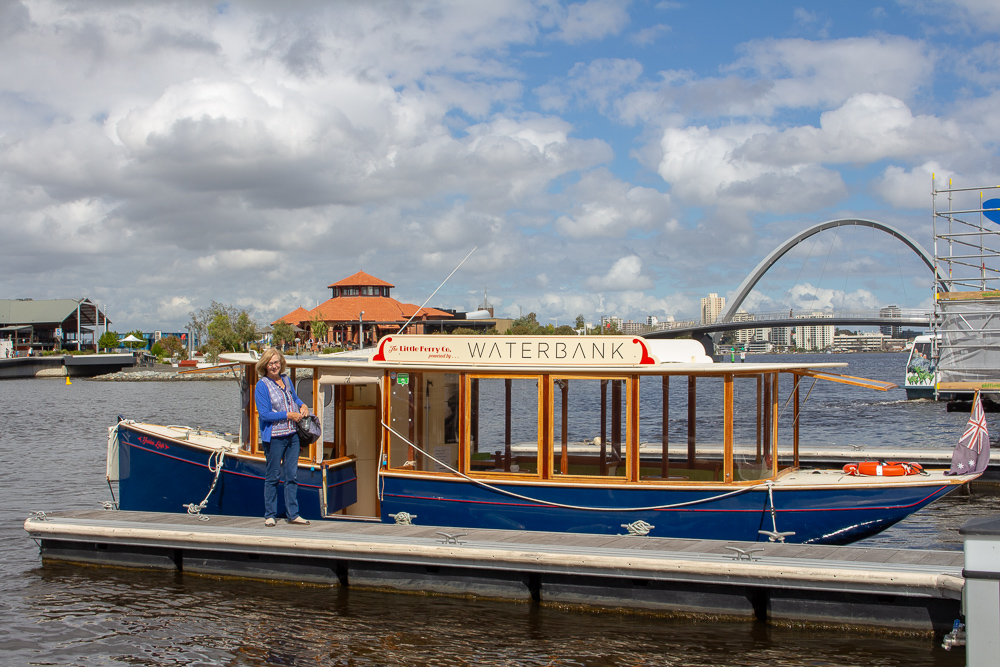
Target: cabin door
x,y
362,432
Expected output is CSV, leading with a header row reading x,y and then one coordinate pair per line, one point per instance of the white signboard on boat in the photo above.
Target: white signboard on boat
x,y
613,351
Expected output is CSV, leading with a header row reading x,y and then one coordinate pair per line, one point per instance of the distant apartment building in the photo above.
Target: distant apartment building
x,y
893,330
712,307
862,342
745,336
611,322
652,321
814,336
781,336
631,328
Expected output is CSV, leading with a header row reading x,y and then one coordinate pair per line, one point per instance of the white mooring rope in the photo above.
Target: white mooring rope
x,y
565,506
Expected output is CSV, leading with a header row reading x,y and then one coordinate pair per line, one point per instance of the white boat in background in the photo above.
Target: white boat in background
x,y
921,370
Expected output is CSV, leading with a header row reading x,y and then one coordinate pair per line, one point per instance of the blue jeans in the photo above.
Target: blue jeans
x,y
282,456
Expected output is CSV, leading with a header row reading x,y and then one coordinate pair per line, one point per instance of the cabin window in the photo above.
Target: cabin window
x,y
423,415
785,388
589,418
503,424
753,427
684,416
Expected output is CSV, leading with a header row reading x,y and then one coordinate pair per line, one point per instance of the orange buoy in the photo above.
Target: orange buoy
x,y
883,468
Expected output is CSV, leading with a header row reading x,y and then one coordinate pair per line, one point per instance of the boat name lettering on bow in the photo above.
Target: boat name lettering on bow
x,y
153,443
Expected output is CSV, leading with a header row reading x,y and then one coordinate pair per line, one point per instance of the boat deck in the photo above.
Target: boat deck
x,y
901,589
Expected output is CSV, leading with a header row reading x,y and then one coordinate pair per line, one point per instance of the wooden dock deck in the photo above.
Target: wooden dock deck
x,y
895,589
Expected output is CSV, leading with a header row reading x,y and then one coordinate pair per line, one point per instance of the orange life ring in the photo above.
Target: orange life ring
x,y
883,468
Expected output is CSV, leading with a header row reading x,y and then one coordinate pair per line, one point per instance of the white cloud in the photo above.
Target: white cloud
x,y
608,207
866,128
968,15
237,260
591,19
705,167
598,82
805,73
650,35
805,297
910,188
174,308
777,74
625,274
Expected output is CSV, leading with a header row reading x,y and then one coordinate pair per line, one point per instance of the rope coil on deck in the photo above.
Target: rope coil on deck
x,y
215,460
563,505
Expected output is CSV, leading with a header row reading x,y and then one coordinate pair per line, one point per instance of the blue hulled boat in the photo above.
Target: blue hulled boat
x,y
603,434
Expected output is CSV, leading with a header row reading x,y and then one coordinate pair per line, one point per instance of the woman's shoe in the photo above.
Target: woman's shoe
x,y
269,522
299,521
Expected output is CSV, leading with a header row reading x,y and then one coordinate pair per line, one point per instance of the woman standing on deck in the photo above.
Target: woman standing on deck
x,y
275,398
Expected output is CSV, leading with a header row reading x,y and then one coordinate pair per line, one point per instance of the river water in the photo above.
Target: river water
x,y
52,449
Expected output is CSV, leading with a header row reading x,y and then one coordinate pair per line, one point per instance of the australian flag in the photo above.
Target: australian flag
x,y
972,453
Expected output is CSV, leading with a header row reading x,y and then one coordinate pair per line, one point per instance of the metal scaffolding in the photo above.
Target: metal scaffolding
x,y
966,323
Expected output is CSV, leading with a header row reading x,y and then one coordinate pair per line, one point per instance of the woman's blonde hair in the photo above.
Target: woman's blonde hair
x,y
266,357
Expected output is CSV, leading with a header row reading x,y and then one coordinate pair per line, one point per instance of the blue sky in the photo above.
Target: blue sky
x,y
605,156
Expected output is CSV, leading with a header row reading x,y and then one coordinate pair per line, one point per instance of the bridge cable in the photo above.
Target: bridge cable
x,y
902,282
774,278
836,236
801,268
847,274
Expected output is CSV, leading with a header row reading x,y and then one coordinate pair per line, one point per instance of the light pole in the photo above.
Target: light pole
x,y
361,330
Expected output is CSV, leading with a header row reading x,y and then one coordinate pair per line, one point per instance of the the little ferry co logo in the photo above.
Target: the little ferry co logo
x,y
516,350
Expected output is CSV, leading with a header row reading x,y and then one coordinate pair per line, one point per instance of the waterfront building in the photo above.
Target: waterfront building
x,y
361,310
744,336
712,307
813,336
633,328
49,324
866,341
611,322
890,330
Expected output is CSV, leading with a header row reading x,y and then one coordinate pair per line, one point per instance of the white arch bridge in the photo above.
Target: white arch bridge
x,y
732,320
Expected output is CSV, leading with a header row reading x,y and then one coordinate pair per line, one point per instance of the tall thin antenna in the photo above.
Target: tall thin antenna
x,y
406,324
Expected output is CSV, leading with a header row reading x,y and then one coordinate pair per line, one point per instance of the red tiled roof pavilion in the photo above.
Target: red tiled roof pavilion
x,y
362,301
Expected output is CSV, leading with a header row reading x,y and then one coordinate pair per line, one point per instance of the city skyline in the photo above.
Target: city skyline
x,y
603,156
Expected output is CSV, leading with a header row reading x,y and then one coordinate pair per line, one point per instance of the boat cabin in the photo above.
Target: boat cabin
x,y
548,410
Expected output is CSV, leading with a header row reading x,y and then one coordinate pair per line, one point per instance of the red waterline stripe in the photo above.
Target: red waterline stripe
x,y
229,472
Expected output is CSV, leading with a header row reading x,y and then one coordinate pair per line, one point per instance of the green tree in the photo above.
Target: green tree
x,y
564,330
525,325
283,334
318,328
580,323
228,328
108,340
174,346
142,340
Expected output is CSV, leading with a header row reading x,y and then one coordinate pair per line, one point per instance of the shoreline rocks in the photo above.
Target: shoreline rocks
x,y
147,375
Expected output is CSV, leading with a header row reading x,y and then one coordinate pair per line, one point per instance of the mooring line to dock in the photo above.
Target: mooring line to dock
x,y
565,506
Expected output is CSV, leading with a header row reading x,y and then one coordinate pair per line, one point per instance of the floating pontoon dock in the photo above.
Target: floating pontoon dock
x,y
898,589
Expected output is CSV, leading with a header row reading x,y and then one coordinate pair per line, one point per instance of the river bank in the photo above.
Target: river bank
x,y
161,373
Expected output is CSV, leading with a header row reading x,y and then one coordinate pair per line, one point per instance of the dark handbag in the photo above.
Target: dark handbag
x,y
309,429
